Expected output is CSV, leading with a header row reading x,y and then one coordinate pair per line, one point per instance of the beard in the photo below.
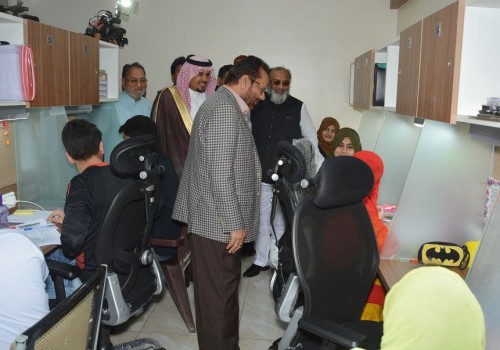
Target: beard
x,y
278,98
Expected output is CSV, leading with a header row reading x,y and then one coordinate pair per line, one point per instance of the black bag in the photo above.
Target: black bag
x,y
444,254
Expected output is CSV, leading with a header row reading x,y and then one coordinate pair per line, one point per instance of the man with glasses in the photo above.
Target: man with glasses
x,y
175,107
279,117
131,100
218,198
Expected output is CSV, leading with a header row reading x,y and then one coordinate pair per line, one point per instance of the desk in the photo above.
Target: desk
x,y
391,271
46,249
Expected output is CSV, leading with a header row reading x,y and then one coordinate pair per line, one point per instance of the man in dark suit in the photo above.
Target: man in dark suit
x,y
219,200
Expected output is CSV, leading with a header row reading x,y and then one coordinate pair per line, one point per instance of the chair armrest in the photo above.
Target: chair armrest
x,y
171,243
332,332
60,269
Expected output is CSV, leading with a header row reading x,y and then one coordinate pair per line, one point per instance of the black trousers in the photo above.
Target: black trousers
x,y
217,275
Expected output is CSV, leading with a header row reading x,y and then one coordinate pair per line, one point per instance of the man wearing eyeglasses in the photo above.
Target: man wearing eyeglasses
x,y
175,107
279,117
131,100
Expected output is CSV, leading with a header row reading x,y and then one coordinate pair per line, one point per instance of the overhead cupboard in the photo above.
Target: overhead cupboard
x,y
66,65
445,67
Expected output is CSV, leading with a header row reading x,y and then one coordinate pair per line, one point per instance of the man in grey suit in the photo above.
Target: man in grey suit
x,y
219,200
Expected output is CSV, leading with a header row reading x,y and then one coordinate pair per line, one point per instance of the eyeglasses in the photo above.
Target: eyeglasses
x,y
262,88
135,81
285,83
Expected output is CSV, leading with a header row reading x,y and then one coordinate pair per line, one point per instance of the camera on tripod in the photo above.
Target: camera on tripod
x,y
103,27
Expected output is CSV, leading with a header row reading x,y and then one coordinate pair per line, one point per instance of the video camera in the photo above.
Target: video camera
x,y
103,27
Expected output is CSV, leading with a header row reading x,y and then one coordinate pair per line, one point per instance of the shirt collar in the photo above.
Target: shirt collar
x,y
243,106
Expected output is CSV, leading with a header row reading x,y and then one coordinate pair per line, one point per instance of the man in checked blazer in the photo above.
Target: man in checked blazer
x,y
219,200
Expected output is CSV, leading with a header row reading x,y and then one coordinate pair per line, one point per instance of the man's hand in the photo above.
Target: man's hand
x,y
57,217
236,242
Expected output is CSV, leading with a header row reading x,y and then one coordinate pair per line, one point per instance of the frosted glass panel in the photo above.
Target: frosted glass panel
x,y
443,197
484,279
369,128
105,118
43,172
396,145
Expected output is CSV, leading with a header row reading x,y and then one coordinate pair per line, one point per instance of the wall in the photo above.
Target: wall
x,y
316,40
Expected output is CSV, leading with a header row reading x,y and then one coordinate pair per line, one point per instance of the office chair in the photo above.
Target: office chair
x,y
336,259
73,324
124,242
174,271
289,193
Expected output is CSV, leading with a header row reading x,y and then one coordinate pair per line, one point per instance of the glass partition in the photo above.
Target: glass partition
x,y
369,128
396,145
484,278
443,196
43,172
105,118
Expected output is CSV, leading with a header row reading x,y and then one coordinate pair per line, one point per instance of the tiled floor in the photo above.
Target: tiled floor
x,y
259,325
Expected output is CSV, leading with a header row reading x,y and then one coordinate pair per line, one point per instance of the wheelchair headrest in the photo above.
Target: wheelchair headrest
x,y
133,155
342,181
294,168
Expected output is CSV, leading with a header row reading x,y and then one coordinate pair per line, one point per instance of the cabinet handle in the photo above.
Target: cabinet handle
x,y
437,30
449,63
408,43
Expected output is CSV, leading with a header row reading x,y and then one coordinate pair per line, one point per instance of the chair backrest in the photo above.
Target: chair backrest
x,y
124,240
73,324
334,245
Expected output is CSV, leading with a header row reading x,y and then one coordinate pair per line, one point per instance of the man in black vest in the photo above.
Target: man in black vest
x,y
279,117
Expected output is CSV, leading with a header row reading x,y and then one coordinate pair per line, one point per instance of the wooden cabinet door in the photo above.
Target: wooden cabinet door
x,y
440,64
408,73
364,69
84,70
50,52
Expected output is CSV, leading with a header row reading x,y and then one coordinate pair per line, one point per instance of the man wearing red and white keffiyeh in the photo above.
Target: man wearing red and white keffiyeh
x,y
175,107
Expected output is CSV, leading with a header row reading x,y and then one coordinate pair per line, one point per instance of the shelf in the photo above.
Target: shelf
x,y
12,29
108,61
472,120
480,73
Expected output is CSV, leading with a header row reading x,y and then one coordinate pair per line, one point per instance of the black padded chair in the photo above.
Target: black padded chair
x,y
73,324
124,243
298,164
336,258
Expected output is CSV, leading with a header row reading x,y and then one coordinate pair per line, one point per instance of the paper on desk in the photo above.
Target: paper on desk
x,y
21,219
40,232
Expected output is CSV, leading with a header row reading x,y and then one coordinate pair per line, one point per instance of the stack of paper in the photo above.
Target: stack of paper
x,y
40,232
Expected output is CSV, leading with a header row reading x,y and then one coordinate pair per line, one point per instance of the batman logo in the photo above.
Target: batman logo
x,y
437,254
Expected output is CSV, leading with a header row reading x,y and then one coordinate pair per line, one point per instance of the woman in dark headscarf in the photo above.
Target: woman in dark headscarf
x,y
326,132
346,142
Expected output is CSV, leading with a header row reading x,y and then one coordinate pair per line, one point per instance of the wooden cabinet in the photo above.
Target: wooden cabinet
x,y
408,72
364,67
66,64
429,65
50,51
440,64
83,70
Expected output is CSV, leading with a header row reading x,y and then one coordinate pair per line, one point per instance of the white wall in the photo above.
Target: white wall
x,y
315,39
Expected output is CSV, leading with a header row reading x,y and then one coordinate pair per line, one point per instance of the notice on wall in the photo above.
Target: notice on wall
x,y
493,187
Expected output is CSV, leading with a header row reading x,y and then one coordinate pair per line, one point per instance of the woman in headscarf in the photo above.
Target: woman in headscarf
x,y
326,132
375,302
432,308
346,142
377,166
